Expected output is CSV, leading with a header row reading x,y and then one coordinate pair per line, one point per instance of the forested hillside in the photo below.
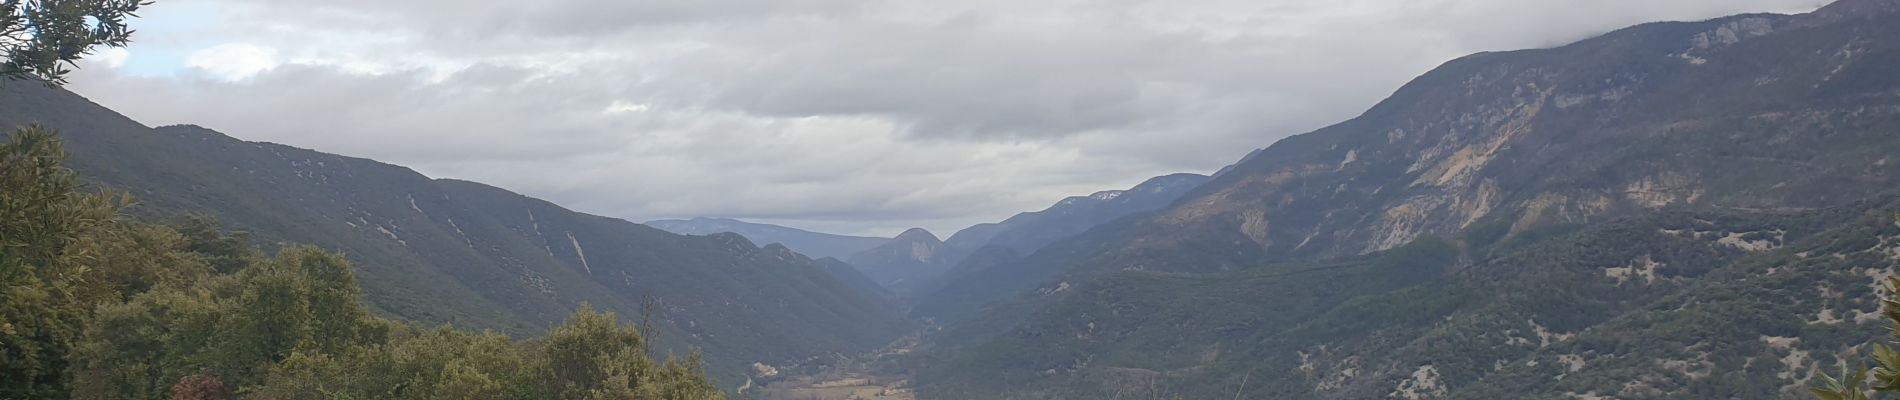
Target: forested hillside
x,y
94,305
983,254
454,252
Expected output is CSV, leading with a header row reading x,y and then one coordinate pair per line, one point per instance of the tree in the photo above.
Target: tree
x,y
338,321
591,357
42,215
589,349
40,39
227,252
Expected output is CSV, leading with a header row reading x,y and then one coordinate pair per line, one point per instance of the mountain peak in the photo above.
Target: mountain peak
x,y
917,235
736,241
781,253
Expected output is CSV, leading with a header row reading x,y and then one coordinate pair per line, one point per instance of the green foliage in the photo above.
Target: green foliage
x,y
582,354
42,272
589,357
40,39
97,307
1834,389
226,252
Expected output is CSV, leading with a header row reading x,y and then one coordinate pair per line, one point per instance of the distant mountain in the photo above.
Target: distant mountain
x,y
453,252
814,244
827,248
912,258
1673,210
1029,231
855,279
993,251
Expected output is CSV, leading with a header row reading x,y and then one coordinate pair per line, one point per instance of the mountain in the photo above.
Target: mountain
x,y
856,280
1673,210
1733,113
910,259
1029,231
828,248
810,243
441,251
1662,305
987,255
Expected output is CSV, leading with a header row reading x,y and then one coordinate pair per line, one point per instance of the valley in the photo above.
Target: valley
x,y
1671,210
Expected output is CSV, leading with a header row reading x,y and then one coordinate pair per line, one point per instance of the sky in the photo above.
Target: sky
x,y
845,116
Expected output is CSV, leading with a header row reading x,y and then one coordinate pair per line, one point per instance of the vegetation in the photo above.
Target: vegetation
x,y
1565,315
40,39
95,306
1120,333
1886,373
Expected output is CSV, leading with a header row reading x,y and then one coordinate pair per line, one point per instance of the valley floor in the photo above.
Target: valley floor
x,y
855,380
847,388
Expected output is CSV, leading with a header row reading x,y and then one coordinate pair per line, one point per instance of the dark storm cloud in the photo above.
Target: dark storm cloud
x,y
859,116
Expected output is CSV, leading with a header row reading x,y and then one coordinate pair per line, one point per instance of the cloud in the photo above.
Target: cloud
x,y
234,61
848,115
110,58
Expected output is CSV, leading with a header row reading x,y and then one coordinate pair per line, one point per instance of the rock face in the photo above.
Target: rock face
x,y
1750,120
476,256
1743,112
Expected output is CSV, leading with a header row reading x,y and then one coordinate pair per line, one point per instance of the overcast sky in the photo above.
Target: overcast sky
x,y
850,116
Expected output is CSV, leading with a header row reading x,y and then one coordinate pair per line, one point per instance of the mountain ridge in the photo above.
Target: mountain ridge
x,y
1025,232
1580,186
442,251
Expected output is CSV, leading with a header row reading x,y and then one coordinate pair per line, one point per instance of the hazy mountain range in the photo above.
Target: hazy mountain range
x,y
807,242
912,262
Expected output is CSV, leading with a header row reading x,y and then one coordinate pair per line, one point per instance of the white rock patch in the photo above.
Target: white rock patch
x,y
1735,240
1644,268
578,253
1571,362
1794,362
537,233
1423,384
392,235
1547,337
412,206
